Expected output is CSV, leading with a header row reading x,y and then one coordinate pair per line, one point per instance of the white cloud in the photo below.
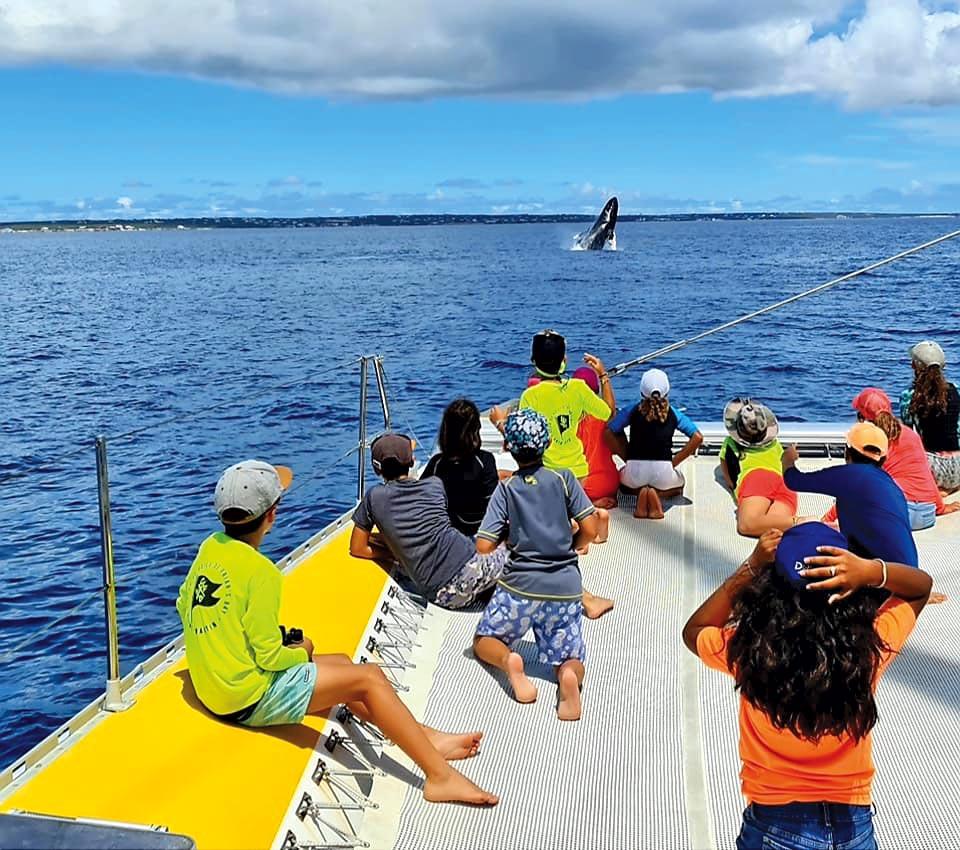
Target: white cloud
x,y
895,52
125,203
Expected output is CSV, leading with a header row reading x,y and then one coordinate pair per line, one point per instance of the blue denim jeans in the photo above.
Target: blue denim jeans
x,y
922,515
807,826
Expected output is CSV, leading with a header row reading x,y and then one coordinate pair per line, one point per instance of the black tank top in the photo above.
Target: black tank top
x,y
651,440
939,432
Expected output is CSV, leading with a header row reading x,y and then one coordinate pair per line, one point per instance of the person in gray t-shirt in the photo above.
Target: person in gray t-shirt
x,y
540,588
415,529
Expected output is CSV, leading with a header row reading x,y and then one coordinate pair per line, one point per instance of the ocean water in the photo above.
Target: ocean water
x,y
214,346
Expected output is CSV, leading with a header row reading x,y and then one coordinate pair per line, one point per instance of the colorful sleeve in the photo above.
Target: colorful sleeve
x,y
578,503
726,447
712,648
261,624
363,515
685,425
831,481
495,519
619,422
593,404
894,622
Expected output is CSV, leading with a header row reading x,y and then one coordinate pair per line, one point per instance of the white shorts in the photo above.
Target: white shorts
x,y
659,474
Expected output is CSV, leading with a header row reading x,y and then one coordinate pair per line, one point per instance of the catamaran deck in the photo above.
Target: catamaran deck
x,y
653,763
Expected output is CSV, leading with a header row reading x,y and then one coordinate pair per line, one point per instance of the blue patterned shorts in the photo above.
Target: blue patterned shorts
x,y
556,625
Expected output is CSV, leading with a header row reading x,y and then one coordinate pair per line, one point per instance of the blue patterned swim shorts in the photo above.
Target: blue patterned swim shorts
x,y
556,625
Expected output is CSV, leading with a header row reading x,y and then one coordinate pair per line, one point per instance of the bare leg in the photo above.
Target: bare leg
x,y
497,654
757,514
365,683
594,607
569,679
452,746
603,526
642,510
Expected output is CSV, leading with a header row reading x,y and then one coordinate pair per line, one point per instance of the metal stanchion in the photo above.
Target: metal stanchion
x,y
113,700
362,437
382,389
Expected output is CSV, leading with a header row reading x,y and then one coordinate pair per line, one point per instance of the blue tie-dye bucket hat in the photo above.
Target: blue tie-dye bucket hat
x,y
525,430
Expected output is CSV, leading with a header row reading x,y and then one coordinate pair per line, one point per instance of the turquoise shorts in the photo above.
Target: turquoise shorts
x,y
286,698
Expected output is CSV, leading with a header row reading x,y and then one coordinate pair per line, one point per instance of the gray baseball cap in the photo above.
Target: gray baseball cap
x,y
249,489
928,353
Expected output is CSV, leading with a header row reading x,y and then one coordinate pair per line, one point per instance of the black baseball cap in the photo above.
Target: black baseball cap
x,y
548,352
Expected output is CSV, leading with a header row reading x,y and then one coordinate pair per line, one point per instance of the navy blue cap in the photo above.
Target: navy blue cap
x,y
801,542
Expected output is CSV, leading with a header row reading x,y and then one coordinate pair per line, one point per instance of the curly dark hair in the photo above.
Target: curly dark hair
x,y
460,429
808,665
929,392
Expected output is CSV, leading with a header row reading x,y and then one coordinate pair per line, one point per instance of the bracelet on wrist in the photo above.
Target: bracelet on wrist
x,y
883,567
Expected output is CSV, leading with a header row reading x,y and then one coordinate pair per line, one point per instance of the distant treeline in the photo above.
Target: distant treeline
x,y
411,220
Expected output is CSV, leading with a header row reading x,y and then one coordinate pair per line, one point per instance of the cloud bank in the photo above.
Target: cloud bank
x,y
890,53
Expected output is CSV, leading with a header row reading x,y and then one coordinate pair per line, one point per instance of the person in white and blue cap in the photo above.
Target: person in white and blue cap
x,y
806,629
541,587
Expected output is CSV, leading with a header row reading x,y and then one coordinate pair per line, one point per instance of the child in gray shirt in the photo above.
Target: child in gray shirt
x,y
540,588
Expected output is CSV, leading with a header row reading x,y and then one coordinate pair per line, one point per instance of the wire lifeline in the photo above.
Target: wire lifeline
x,y
10,654
620,368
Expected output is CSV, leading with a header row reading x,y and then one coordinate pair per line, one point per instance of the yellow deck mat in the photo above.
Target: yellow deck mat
x,y
166,761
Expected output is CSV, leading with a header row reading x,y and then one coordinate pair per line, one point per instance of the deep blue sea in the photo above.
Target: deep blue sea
x,y
113,332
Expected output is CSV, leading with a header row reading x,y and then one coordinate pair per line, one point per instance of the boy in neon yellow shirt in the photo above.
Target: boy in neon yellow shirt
x,y
229,605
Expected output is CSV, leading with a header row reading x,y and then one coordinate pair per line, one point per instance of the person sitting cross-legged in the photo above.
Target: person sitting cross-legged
x,y
243,672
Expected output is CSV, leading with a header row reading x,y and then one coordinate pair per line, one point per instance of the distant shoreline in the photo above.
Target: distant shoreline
x,y
238,222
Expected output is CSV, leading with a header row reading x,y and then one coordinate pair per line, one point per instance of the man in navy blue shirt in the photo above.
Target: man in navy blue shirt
x,y
871,508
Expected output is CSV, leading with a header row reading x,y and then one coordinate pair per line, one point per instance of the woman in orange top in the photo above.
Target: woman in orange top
x,y
793,627
603,479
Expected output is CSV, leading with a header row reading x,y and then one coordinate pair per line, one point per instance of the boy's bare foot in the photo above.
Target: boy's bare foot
x,y
655,505
937,598
607,502
594,607
569,707
523,689
642,511
454,787
452,746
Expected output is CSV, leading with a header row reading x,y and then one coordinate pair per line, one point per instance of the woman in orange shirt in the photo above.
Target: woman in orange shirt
x,y
793,627
603,479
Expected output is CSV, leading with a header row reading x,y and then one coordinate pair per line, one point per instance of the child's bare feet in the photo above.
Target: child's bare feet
x,y
642,511
594,607
523,689
607,502
452,746
655,505
937,598
603,526
454,787
569,707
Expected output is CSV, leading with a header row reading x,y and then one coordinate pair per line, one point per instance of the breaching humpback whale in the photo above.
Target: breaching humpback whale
x,y
603,231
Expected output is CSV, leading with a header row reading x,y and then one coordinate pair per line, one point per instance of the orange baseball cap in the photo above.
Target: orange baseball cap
x,y
872,401
869,440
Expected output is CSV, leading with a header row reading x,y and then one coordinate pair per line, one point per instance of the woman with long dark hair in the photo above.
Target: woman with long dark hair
x,y
469,474
932,407
806,629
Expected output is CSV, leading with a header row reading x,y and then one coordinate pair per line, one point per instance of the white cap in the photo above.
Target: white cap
x,y
251,487
654,381
928,353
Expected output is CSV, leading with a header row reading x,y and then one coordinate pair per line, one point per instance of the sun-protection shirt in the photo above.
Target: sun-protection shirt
x,y
871,509
741,460
537,504
603,477
468,482
564,403
413,519
229,605
777,766
939,433
651,440
907,464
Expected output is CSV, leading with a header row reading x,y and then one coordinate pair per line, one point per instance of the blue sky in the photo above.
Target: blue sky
x,y
253,110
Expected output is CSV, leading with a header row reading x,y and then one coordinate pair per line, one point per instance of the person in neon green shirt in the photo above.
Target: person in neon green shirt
x,y
229,606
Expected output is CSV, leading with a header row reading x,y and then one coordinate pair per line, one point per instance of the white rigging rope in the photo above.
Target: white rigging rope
x,y
620,368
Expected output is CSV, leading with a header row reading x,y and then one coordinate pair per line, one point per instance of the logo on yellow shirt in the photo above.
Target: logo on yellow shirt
x,y
212,598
